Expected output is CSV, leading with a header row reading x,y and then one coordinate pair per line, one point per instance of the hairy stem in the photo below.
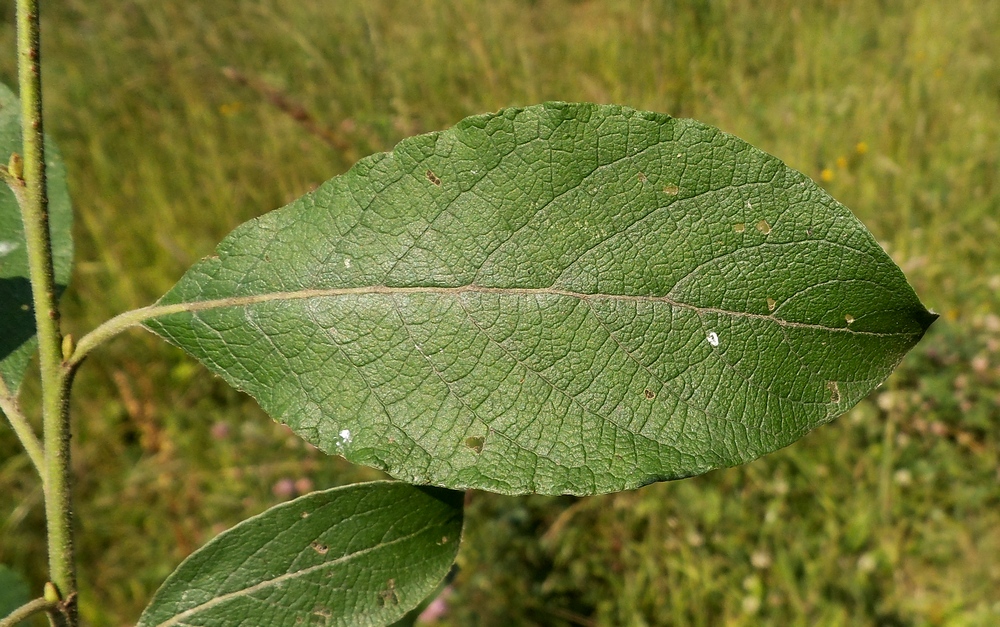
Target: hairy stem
x,y
26,611
25,433
34,213
8,400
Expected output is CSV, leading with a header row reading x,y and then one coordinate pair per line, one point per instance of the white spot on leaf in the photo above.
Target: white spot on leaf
x,y
347,262
713,338
8,247
345,436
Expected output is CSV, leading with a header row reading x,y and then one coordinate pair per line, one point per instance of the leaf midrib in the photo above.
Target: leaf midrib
x,y
157,311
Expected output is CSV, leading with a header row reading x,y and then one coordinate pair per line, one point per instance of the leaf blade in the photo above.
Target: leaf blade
x,y
596,297
359,554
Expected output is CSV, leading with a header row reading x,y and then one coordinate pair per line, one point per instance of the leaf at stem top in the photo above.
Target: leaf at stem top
x,y
17,318
363,554
562,298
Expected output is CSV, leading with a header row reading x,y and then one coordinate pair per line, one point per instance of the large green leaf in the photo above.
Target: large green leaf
x,y
17,321
359,555
564,298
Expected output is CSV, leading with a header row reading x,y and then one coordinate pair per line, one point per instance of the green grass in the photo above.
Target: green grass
x,y
888,516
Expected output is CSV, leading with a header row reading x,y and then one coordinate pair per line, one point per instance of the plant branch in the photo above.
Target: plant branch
x,y
23,429
28,610
8,401
34,214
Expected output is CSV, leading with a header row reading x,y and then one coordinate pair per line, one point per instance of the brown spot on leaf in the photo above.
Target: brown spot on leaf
x,y
671,190
433,178
649,394
388,595
319,547
764,227
834,391
475,443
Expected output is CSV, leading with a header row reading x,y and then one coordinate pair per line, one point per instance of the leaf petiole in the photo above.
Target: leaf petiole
x,y
22,428
28,610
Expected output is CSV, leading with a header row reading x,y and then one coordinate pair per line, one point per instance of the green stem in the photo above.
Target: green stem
x,y
8,400
110,328
26,611
55,379
25,433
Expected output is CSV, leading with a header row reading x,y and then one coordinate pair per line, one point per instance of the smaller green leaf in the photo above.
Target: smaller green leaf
x,y
13,591
364,554
17,322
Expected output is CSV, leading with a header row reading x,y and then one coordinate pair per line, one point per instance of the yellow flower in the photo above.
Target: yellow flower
x,y
826,175
861,148
841,162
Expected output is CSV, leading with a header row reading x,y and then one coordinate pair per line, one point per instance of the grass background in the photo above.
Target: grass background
x,y
888,516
